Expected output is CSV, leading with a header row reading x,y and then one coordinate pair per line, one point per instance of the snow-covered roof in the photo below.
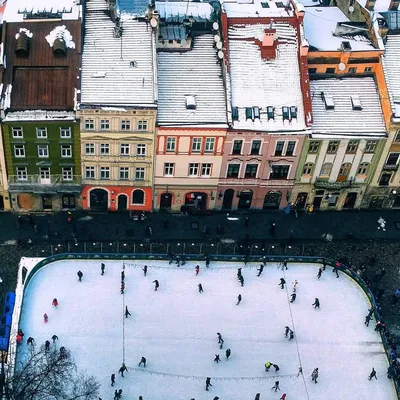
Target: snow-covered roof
x,y
356,108
255,82
177,11
117,71
257,8
40,115
190,86
391,62
18,10
320,26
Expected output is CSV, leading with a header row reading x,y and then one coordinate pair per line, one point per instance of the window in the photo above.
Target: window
x,y
251,171
17,133
124,149
385,179
89,173
237,147
235,114
352,146
43,151
139,174
326,169
124,173
210,143
141,150
19,150
233,170
312,70
142,125
138,197
171,144
65,133
89,124
41,133
368,69
206,169
169,169
345,169
285,113
125,125
293,112
104,172
104,124
67,173
255,147
104,149
330,70
270,112
308,168
193,169
290,148
392,159
22,174
279,172
314,147
196,145
44,172
332,147
397,137
370,146
279,148
89,148
352,70
363,168
66,150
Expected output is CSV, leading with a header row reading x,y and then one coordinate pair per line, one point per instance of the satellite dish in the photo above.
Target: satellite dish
x,y
217,39
153,22
215,26
220,54
351,9
219,45
342,66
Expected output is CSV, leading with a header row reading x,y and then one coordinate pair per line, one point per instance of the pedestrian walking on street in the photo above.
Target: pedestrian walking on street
x,y
316,303
127,313
142,361
80,275
228,353
276,386
122,369
208,383
200,288
336,269
156,285
314,375
197,269
293,297
260,270
112,379
372,374
122,287
282,283
217,359
102,267
239,299
144,269
367,319
319,273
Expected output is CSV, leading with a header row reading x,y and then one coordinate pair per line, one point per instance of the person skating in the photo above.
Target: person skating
x,y
200,286
285,265
300,371
282,283
216,398
316,303
197,269
219,337
291,335
208,383
47,345
239,273
122,369
54,338
367,319
260,270
283,397
239,299
241,280
276,367
122,287
80,275
268,365
295,283
142,361
45,318
336,269
293,297
228,353
319,273
371,311
102,267
127,313
119,393
144,269
372,374
221,344
122,276
314,375
287,330
156,285
276,386
54,303
217,359
63,353
257,396
116,397
112,379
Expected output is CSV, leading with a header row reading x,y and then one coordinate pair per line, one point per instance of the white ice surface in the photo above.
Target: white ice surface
x,y
175,329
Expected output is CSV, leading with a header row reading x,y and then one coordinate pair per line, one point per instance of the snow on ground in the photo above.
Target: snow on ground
x,y
175,329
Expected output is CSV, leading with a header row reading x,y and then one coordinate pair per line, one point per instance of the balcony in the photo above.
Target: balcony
x,y
390,167
52,185
324,184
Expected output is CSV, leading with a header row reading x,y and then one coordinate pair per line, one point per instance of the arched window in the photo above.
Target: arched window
x,y
308,168
363,169
138,197
326,169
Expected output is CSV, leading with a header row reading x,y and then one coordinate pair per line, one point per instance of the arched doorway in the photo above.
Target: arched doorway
x,y
196,200
165,201
99,200
272,200
138,197
228,199
122,202
245,198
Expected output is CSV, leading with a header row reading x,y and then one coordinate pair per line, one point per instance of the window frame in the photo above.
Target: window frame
x,y
142,147
397,137
67,176
197,143
104,149
123,173
393,154
140,171
370,146
41,132
22,173
105,170
44,172
281,167
254,151
352,146
170,140
206,167
68,149
209,146
143,125
125,125
322,169
308,169
89,124
232,165
333,147
279,153
363,168
90,146
43,147
169,169
193,170
144,197
291,153
124,149
20,149
64,130
251,170
311,147
104,124
17,132
90,169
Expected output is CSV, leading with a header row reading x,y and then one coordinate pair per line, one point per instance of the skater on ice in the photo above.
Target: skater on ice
x,y
268,365
276,367
122,369
30,341
241,280
144,269
239,299
300,371
142,361
221,343
319,273
112,379
45,318
314,375
116,396
336,269
285,265
291,335
54,338
282,283
367,319
276,386
287,330
102,267
54,303
200,286
372,374
197,269
260,270
80,275
122,287
122,276
47,345
156,285
217,359
127,313
257,396
293,297
316,303
283,397
295,283
219,337
208,383
228,353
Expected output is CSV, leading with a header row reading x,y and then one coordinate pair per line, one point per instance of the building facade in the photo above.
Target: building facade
x,y
117,110
40,131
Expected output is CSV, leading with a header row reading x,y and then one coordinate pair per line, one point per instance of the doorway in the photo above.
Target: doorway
x,y
396,203
122,202
228,199
165,201
301,200
350,200
272,200
46,202
99,200
245,198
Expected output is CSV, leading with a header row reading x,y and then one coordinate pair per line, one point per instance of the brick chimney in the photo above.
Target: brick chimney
x,y
268,45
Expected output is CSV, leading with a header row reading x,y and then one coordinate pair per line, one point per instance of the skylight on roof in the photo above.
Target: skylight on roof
x,y
356,102
190,102
329,102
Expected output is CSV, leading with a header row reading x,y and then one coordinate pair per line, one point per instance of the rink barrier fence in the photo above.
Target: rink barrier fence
x,y
24,278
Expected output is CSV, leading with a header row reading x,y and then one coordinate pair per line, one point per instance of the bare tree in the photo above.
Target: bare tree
x,y
49,375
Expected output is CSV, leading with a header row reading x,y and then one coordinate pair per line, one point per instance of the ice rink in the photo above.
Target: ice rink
x,y
176,327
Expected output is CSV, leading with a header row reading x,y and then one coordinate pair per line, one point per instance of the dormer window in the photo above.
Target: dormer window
x,y
270,112
235,114
285,113
293,112
190,102
356,103
256,112
329,103
249,113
